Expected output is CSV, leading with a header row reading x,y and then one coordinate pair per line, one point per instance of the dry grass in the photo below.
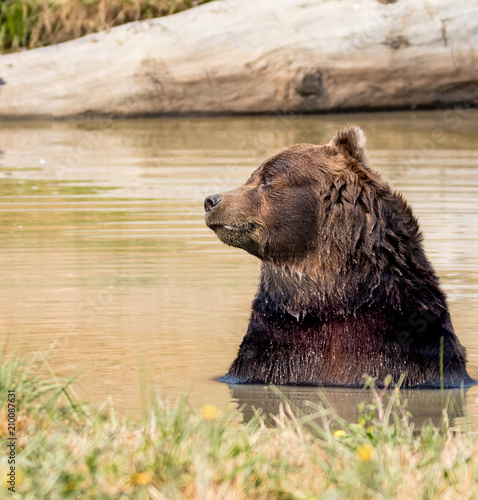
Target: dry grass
x,y
35,23
67,450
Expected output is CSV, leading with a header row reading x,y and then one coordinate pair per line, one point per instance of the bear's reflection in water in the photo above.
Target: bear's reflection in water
x,y
424,405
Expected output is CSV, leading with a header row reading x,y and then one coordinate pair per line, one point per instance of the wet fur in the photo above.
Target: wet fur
x,y
345,287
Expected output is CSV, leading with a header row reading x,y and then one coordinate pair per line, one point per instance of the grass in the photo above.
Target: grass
x,y
65,449
25,24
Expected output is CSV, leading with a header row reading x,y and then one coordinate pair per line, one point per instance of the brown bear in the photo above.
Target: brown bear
x,y
345,288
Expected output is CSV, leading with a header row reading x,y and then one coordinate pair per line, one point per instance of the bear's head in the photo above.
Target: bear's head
x,y
308,200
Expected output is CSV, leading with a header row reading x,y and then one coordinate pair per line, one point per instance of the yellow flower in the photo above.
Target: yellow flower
x,y
365,452
340,433
141,478
209,412
17,478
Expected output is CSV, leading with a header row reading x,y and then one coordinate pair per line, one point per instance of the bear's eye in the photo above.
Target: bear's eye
x,y
266,180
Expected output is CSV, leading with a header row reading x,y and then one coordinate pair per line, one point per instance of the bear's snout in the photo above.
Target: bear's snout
x,y
211,201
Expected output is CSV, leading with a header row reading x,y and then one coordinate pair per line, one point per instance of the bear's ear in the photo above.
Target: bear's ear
x,y
351,139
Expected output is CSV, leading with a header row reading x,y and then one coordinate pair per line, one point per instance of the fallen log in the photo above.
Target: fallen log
x,y
245,56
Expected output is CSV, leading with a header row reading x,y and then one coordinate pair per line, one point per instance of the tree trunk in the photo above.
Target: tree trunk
x,y
249,56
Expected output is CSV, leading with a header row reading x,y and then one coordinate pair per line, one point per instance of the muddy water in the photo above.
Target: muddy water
x,y
104,250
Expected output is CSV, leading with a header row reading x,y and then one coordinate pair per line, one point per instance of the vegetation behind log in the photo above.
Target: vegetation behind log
x,y
26,24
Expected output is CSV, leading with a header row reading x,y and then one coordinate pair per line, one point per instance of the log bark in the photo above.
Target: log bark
x,y
246,56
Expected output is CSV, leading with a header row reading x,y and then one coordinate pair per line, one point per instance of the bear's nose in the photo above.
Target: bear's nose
x,y
211,201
